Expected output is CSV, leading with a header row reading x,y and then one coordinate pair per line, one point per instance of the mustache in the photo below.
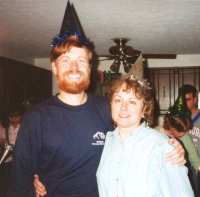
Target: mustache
x,y
66,73
72,72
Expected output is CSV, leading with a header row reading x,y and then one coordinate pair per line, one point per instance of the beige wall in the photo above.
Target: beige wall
x,y
180,61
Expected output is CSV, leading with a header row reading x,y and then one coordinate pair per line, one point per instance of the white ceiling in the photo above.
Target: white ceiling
x,y
153,26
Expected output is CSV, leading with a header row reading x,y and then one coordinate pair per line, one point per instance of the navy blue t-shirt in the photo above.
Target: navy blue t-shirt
x,y
62,144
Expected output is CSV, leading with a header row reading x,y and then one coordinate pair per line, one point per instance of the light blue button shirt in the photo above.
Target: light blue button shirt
x,y
137,167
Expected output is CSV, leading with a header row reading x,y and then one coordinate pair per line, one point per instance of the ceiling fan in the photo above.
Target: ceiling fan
x,y
125,55
122,54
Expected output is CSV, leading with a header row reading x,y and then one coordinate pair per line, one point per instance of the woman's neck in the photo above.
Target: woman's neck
x,y
125,131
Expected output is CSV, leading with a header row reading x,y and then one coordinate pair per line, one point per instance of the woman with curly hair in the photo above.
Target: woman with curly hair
x,y
133,162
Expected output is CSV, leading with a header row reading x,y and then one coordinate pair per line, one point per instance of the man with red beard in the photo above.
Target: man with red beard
x,y
61,139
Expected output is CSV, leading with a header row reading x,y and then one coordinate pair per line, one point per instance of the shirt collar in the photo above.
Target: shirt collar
x,y
134,133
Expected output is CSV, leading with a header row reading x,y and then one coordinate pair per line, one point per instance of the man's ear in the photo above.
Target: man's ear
x,y
54,68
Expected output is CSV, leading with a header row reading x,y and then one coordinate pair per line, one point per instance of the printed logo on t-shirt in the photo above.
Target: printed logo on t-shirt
x,y
99,138
195,133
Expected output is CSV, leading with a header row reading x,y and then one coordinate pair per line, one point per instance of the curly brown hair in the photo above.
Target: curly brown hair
x,y
141,92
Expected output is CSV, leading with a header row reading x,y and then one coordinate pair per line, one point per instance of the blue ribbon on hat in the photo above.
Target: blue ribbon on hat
x,y
57,40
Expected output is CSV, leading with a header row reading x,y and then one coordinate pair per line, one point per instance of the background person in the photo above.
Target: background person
x,y
189,93
2,134
178,127
10,136
190,96
177,123
2,146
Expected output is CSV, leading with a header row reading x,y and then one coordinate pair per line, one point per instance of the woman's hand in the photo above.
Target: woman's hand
x,y
40,189
177,155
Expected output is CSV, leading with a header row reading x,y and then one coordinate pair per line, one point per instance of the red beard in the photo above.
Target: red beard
x,y
73,87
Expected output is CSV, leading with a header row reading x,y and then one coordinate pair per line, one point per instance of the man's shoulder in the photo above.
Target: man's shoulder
x,y
100,99
42,107
101,102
